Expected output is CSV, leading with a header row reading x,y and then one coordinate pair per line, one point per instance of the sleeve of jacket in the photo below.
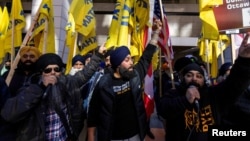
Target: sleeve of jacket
x,y
83,76
145,60
238,80
93,109
4,92
17,108
172,104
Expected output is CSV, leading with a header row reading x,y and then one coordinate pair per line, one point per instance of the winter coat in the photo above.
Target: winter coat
x,y
101,116
27,108
214,104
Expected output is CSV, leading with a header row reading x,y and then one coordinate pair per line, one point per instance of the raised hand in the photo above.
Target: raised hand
x,y
244,50
157,25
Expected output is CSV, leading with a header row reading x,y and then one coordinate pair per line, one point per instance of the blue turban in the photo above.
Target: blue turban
x,y
78,58
224,68
118,55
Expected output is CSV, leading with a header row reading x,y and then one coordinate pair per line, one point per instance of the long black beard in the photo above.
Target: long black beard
x,y
55,98
126,74
30,67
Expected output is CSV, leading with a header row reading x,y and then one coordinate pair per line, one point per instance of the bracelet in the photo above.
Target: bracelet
x,y
154,42
155,37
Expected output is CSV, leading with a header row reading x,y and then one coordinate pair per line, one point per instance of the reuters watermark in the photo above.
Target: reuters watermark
x,y
241,134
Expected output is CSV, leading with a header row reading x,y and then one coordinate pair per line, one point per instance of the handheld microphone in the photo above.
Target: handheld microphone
x,y
197,105
47,90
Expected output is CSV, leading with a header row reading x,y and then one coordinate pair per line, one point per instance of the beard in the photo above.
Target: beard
x,y
55,97
28,67
126,73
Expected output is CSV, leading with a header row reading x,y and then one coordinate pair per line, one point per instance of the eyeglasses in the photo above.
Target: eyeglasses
x,y
48,70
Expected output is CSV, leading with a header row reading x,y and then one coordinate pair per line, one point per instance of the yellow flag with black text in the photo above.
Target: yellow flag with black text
x,y
43,35
115,25
88,43
70,41
17,17
86,21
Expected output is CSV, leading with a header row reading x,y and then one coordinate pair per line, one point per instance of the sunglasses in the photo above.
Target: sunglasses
x,y
48,70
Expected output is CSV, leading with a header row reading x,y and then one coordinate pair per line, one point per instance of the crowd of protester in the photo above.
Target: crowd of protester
x,y
102,96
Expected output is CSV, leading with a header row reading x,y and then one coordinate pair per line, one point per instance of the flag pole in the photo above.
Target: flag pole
x,y
233,47
221,51
45,35
75,43
25,40
160,73
207,50
12,39
167,47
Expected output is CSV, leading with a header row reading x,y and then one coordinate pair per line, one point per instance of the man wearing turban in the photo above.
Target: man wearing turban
x,y
25,68
116,110
51,107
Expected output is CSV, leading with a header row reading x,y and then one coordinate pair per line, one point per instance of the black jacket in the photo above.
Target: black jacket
x,y
27,108
7,130
101,106
214,105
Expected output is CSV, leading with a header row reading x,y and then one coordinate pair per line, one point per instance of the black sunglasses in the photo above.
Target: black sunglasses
x,y
48,70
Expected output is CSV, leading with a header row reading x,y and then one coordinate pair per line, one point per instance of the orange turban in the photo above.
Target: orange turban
x,y
30,48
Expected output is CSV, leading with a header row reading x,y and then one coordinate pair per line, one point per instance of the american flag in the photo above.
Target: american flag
x,y
164,35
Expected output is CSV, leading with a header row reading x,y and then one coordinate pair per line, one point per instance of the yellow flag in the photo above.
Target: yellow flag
x,y
4,18
43,34
124,31
89,43
115,25
209,25
141,13
206,4
211,52
17,16
140,22
70,41
85,22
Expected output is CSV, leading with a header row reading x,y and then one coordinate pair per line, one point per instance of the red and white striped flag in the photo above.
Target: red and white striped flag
x,y
164,40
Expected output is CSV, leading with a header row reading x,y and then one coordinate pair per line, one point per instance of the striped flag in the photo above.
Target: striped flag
x,y
148,95
164,40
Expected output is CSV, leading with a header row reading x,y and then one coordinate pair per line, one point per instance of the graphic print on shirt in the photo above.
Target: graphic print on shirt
x,y
122,89
201,124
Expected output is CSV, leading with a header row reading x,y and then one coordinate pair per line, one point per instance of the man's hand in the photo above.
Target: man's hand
x,y
157,25
244,50
102,50
192,93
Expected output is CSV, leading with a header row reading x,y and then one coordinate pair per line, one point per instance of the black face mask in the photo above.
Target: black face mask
x,y
126,74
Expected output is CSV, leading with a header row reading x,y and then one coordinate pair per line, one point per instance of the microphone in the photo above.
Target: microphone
x,y
47,90
197,105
